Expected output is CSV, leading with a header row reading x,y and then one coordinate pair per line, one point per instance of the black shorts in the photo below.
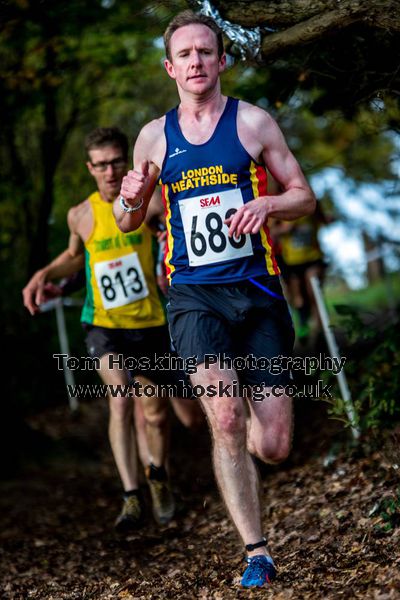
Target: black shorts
x,y
235,320
144,352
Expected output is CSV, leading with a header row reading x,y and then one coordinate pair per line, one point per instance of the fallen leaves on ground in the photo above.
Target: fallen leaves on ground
x,y
333,530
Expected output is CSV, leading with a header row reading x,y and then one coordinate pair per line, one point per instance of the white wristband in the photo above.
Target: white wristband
x,y
130,209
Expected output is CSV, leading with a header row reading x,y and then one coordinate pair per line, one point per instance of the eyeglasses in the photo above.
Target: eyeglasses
x,y
116,163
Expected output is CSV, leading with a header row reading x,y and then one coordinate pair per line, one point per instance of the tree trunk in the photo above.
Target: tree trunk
x,y
50,153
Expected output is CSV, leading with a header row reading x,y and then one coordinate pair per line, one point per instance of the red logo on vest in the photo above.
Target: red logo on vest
x,y
213,201
113,265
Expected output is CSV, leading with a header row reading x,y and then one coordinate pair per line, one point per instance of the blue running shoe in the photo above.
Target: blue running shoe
x,y
260,571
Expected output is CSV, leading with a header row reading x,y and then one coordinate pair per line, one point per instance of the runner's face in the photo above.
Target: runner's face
x,y
195,64
108,180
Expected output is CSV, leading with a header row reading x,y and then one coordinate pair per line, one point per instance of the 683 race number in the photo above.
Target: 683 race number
x,y
217,239
206,234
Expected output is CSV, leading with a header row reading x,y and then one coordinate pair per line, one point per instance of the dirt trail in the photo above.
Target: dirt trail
x,y
326,524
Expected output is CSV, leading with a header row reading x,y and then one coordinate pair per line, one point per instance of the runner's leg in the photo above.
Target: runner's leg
x,y
189,412
270,430
317,270
141,437
155,412
234,468
121,430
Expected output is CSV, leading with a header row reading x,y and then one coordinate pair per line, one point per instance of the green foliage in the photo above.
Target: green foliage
x,y
360,147
373,370
387,513
372,299
65,68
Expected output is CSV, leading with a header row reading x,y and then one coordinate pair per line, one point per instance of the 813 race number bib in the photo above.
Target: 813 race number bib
x,y
121,281
206,234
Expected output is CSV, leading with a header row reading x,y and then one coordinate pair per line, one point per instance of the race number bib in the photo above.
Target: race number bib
x,y
121,281
206,234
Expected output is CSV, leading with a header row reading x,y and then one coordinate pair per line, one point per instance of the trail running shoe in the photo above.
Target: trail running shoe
x,y
163,501
260,571
131,516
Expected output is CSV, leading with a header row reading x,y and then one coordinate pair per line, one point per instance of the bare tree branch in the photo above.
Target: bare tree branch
x,y
281,14
348,12
273,13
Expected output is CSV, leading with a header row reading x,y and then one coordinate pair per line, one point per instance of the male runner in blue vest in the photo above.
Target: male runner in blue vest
x,y
225,300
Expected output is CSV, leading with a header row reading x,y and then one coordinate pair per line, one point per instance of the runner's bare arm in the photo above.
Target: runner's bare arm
x,y
68,262
138,184
268,144
63,265
297,198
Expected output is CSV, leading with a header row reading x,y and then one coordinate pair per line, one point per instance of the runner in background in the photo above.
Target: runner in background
x,y
300,258
123,316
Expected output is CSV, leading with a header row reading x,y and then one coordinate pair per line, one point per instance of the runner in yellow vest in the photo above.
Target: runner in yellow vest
x,y
124,318
121,287
300,243
301,259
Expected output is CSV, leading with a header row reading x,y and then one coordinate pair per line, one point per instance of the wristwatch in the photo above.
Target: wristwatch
x,y
130,209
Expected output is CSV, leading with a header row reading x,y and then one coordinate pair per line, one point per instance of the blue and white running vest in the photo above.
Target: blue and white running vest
x,y
202,185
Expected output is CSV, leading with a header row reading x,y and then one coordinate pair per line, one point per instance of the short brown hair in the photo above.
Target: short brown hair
x,y
107,136
188,17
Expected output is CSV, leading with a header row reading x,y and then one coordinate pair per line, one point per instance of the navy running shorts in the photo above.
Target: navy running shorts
x,y
248,319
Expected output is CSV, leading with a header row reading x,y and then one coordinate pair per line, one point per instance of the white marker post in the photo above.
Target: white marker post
x,y
58,305
334,352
